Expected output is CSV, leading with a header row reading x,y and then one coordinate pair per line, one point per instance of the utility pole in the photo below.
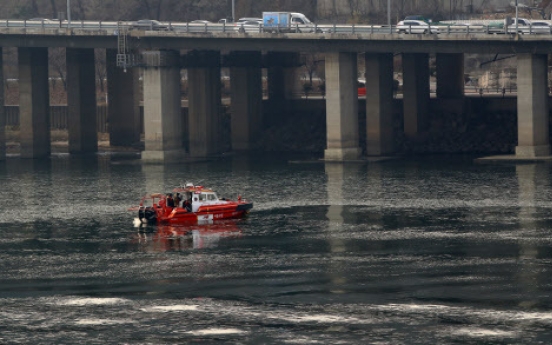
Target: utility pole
x,y
389,15
516,17
68,13
233,11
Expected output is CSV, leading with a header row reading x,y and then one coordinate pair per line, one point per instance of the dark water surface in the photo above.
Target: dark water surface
x,y
434,250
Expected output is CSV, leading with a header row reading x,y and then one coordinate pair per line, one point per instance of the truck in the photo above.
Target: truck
x,y
524,26
287,22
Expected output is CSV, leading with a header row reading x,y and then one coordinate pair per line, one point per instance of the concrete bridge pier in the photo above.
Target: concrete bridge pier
x,y
204,103
2,113
415,92
162,114
246,97
341,107
281,83
281,73
81,101
450,75
123,104
34,102
532,106
379,104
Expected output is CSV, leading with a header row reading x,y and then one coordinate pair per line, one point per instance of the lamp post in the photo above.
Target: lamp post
x,y
233,8
389,15
516,17
68,13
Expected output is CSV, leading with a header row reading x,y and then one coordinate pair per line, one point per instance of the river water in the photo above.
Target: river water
x,y
433,250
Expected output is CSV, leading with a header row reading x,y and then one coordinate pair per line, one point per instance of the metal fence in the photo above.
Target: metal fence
x,y
114,28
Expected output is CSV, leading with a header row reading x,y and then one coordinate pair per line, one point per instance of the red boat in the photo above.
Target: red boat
x,y
189,205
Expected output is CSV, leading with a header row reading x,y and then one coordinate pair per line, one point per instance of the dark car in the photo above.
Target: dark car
x,y
149,24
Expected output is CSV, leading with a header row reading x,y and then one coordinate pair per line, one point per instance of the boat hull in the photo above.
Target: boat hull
x,y
181,216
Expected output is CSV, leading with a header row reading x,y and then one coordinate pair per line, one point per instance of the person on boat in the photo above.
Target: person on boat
x,y
162,202
187,204
170,200
177,200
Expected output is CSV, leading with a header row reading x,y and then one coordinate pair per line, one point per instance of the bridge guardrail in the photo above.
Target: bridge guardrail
x,y
179,27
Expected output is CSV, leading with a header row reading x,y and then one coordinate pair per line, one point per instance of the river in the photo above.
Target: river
x,y
427,250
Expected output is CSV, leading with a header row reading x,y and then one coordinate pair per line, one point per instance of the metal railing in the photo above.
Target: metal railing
x,y
112,28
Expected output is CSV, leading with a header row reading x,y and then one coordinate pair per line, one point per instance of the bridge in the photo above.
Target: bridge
x,y
157,53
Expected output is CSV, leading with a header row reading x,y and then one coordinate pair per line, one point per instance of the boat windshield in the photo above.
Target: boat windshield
x,y
208,197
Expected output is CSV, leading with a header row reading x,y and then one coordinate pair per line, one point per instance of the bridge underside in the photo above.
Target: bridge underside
x,y
169,137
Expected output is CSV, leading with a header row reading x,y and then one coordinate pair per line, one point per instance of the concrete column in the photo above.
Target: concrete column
x,y
162,114
34,102
204,104
341,107
2,112
415,93
379,104
450,75
81,101
532,106
281,75
247,96
123,103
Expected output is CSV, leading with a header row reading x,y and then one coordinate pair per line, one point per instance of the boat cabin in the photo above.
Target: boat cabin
x,y
196,196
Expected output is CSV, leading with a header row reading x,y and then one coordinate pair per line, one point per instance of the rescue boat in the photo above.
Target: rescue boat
x,y
189,204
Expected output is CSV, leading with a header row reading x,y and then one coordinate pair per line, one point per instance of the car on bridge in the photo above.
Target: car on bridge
x,y
249,25
42,20
361,87
418,17
415,27
150,24
541,27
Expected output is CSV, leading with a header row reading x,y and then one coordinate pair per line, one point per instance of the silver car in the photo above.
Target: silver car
x,y
150,24
415,27
540,27
254,25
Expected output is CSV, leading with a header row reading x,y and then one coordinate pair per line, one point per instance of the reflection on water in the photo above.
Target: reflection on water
x,y
429,250
165,238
